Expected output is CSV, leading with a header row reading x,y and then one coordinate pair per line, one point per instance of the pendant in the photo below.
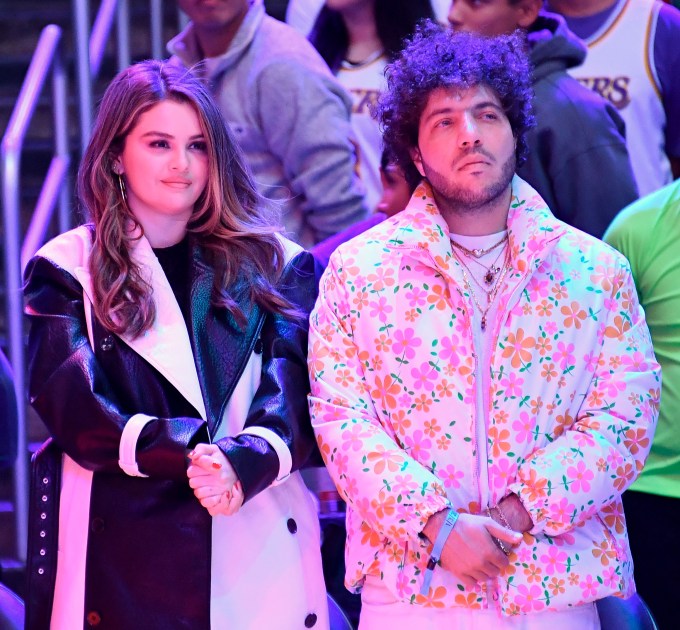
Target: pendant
x,y
483,323
490,275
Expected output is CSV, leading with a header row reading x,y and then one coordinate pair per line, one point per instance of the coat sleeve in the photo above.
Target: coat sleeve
x,y
277,433
75,397
311,137
587,467
392,493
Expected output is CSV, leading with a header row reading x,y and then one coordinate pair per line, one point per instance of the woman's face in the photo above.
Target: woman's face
x,y
164,163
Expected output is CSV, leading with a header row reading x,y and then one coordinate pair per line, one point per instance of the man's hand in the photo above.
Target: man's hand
x,y
214,480
516,515
470,552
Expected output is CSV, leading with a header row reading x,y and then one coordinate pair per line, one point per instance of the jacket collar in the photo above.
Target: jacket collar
x,y
185,45
421,230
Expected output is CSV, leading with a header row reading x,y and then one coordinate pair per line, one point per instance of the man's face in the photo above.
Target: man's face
x,y
214,13
466,148
490,17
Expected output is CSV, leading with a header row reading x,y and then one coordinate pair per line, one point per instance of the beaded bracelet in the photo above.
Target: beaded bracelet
x,y
437,548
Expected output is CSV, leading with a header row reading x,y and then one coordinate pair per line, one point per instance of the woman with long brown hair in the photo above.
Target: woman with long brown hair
x,y
167,357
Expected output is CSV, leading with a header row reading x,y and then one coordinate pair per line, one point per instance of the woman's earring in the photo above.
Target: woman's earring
x,y
121,185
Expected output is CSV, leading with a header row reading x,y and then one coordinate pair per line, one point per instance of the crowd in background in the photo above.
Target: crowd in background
x,y
305,156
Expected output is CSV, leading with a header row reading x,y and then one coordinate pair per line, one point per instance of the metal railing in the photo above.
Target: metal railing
x,y
47,56
54,192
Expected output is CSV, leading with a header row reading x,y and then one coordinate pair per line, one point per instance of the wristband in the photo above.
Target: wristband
x,y
439,543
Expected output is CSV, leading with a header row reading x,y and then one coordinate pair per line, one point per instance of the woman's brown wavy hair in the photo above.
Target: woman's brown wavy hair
x,y
227,221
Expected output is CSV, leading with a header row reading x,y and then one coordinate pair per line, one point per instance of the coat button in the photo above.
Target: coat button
x,y
107,343
97,524
259,346
310,620
93,618
292,528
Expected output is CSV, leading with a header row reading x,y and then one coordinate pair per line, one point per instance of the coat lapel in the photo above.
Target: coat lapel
x,y
221,349
166,345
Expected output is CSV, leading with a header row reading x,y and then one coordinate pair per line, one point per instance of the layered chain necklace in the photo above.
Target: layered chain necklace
x,y
493,277
475,254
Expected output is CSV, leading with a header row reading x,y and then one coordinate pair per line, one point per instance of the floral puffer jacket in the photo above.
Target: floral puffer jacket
x,y
573,400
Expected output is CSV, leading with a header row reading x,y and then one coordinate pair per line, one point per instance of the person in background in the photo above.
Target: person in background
x,y
577,160
647,233
483,385
301,14
396,193
633,62
289,115
357,38
167,359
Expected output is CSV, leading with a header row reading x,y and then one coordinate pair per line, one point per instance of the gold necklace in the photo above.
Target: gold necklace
x,y
491,296
491,284
478,253
491,271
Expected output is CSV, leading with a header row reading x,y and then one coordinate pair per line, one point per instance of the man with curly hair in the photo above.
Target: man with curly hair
x,y
483,382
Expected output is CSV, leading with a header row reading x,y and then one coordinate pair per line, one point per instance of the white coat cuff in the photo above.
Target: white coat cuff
x,y
279,446
127,450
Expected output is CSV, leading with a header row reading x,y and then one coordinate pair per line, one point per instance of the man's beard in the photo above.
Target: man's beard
x,y
462,200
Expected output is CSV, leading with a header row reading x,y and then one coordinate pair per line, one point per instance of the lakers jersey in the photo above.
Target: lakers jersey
x,y
620,67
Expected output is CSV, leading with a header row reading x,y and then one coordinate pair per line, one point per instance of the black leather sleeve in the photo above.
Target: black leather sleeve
x,y
85,406
280,403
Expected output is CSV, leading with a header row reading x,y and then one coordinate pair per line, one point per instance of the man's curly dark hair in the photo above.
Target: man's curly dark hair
x,y
437,57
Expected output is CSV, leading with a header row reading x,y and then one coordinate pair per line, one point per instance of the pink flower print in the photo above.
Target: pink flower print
x,y
554,561
353,438
405,341
550,328
524,554
380,309
581,477
450,350
564,355
562,512
584,439
404,484
450,476
589,587
611,580
537,288
403,588
502,473
524,427
418,446
416,297
341,462
636,361
592,361
528,598
423,377
614,387
513,384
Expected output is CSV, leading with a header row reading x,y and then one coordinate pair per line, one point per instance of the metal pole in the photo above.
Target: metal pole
x,y
123,34
11,166
81,21
61,139
157,48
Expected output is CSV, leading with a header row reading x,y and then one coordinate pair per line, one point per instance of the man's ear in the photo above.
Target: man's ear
x,y
527,11
417,160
